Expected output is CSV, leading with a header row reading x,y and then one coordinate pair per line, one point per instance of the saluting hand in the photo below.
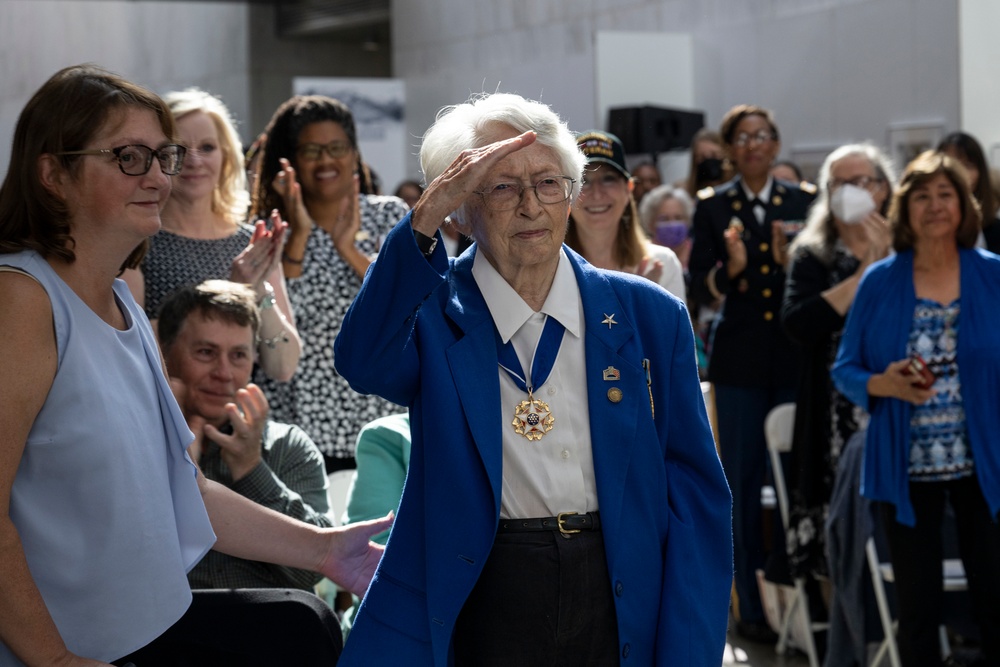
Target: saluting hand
x,y
448,192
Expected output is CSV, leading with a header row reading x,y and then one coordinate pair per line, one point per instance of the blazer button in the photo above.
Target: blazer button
x,y
765,269
767,292
768,315
763,247
619,588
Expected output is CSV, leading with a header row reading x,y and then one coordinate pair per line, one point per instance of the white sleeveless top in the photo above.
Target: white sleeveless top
x,y
105,499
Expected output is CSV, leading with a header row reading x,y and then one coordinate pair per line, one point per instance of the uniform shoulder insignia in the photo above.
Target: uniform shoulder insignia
x,y
705,193
806,186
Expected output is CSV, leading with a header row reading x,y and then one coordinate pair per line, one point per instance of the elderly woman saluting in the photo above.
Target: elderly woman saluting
x,y
931,441
559,434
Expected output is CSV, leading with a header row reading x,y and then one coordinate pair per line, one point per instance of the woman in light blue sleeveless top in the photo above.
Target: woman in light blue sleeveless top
x,y
102,512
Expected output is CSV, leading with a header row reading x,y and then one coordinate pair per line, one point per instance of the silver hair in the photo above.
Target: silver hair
x,y
819,234
463,126
654,198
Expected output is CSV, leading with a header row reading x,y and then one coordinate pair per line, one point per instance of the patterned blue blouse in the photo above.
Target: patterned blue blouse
x,y
938,440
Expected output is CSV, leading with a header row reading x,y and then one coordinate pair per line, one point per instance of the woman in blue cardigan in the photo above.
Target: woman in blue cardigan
x,y
929,441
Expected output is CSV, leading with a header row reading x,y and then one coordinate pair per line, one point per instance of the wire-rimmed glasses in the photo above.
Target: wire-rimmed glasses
x,y
507,196
136,159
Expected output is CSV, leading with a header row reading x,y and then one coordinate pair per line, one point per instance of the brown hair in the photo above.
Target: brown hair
x,y
922,169
64,115
705,134
738,113
223,300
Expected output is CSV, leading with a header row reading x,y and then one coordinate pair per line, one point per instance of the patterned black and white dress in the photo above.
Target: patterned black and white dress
x,y
317,399
175,261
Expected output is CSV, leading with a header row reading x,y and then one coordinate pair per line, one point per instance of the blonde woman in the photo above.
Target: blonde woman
x,y
204,235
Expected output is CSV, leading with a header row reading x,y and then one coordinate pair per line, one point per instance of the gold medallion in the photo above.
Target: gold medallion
x,y
532,419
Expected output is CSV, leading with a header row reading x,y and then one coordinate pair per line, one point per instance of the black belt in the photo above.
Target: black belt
x,y
566,523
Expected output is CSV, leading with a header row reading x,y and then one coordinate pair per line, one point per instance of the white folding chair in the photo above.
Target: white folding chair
x,y
337,493
881,572
778,427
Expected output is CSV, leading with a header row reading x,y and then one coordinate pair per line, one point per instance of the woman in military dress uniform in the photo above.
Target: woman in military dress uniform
x,y
741,233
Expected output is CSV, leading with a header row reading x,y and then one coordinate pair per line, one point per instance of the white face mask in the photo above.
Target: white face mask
x,y
851,204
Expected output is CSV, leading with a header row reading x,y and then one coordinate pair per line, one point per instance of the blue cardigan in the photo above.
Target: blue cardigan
x,y
420,334
877,330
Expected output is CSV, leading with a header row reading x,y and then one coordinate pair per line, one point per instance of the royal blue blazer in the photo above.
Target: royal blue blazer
x,y
420,334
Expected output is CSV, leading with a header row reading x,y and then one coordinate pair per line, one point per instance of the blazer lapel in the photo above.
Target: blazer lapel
x,y
473,363
612,423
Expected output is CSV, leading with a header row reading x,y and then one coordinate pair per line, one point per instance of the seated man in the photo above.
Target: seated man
x,y
208,334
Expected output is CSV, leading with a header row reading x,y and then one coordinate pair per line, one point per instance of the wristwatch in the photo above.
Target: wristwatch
x,y
427,244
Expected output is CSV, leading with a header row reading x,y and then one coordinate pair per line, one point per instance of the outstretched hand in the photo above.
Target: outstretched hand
x,y
448,192
353,557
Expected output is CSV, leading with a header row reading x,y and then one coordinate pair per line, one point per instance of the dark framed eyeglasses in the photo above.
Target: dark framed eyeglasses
x,y
136,159
312,152
507,196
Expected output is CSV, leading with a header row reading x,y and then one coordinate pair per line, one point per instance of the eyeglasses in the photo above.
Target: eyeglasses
x,y
744,139
136,159
507,196
864,182
605,182
312,152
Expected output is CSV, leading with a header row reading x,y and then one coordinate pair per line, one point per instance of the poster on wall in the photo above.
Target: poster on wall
x,y
378,107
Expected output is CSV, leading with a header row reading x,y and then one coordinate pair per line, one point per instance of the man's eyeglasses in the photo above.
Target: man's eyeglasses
x,y
136,159
507,196
864,182
759,137
312,152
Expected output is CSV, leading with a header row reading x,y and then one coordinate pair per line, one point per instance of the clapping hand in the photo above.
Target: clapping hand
x,y
348,221
262,255
241,448
287,186
736,250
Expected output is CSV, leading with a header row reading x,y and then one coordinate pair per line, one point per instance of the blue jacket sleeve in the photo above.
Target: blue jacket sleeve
x,y
850,373
698,568
375,349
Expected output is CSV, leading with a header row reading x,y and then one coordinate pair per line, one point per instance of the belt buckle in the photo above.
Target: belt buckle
x,y
560,518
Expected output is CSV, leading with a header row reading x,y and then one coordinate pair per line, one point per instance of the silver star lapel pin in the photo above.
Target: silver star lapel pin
x,y
609,319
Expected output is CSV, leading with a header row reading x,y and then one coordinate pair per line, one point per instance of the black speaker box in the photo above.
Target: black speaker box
x,y
654,130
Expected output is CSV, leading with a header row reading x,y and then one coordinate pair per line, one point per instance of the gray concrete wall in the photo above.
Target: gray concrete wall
x,y
161,45
833,70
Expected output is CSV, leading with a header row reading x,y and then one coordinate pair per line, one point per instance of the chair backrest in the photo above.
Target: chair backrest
x,y
778,427
337,494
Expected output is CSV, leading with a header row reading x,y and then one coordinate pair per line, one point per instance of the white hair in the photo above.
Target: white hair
x,y
819,234
654,198
463,126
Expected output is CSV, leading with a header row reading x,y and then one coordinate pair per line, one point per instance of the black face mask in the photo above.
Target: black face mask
x,y
709,169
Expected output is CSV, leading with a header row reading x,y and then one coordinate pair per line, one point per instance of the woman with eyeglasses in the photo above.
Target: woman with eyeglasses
x,y
564,504
311,171
741,233
604,224
845,233
204,235
102,513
